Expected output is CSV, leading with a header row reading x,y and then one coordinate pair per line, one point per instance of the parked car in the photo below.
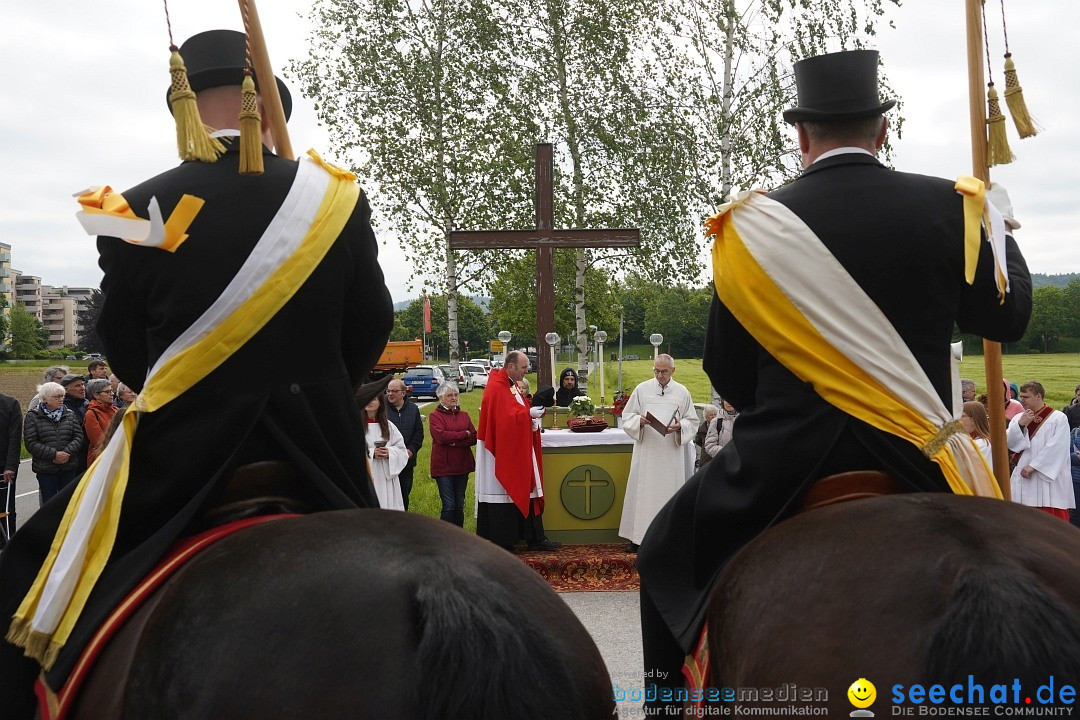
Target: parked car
x,y
497,361
423,380
464,382
631,357
477,373
481,361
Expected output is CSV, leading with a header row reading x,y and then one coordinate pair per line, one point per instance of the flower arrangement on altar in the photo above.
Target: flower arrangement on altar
x,y
618,403
582,406
583,420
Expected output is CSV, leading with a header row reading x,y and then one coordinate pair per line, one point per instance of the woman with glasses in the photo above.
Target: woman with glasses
x,y
53,436
99,413
452,439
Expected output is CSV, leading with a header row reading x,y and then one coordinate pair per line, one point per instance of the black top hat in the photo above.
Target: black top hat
x,y
218,57
545,397
369,391
838,86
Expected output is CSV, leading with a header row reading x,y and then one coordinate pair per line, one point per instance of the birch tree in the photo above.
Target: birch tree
x,y
417,98
610,121
731,62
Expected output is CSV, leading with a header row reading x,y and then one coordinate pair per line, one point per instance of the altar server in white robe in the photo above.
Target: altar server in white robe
x,y
1043,477
661,463
386,452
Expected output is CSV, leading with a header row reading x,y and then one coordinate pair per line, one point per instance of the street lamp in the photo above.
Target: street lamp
x,y
504,338
600,337
656,339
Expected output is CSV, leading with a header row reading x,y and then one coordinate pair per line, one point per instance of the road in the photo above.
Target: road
x,y
26,493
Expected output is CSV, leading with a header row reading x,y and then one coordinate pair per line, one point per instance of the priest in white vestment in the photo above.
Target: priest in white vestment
x,y
1043,477
661,463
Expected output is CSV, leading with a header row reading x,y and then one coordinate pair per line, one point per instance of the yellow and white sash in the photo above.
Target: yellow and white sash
x,y
795,298
313,214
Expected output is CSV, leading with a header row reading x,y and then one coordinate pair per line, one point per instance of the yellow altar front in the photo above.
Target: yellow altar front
x,y
584,484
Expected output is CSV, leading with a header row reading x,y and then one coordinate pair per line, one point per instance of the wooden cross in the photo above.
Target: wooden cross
x,y
543,240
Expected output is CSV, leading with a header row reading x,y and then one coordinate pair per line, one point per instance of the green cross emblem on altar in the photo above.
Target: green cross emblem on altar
x,y
587,492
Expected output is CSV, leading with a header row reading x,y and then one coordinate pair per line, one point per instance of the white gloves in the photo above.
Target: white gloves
x,y
997,195
536,412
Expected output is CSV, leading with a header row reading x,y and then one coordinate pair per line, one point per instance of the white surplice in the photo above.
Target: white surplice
x,y
661,464
384,471
1048,452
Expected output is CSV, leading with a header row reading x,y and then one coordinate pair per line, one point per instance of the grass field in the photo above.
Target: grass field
x,y
1060,373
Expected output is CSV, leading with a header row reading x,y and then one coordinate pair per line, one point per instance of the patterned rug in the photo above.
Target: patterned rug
x,y
585,568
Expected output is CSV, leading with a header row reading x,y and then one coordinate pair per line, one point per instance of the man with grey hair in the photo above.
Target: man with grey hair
x,y
509,467
52,374
967,390
406,418
661,418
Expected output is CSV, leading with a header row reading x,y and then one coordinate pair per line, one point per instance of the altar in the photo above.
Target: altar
x,y
584,484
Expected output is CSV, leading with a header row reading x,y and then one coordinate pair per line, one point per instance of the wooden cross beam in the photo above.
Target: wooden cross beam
x,y
543,239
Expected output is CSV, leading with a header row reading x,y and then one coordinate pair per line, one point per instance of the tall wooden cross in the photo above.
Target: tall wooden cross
x,y
543,240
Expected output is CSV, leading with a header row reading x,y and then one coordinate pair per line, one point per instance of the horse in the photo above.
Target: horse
x,y
354,613
901,590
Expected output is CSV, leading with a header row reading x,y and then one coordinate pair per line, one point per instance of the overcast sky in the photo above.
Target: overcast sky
x,y
83,87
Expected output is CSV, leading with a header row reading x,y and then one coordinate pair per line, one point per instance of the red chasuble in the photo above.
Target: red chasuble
x,y
505,428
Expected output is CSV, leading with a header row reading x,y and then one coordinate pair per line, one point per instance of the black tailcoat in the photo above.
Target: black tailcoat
x,y
285,395
901,237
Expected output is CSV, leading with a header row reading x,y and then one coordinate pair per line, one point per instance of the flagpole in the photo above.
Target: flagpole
x,y
268,88
991,350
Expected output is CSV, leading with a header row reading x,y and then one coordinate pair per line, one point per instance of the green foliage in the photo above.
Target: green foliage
x,y
88,316
417,99
473,324
28,335
513,299
1072,306
1050,317
3,321
633,293
1062,280
681,315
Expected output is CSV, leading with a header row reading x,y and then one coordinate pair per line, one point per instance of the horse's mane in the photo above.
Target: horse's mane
x,y
463,620
1002,623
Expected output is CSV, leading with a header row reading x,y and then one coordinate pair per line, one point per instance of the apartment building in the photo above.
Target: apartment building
x,y
60,311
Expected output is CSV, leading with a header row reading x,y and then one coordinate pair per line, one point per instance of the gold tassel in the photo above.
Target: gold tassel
x,y
997,150
1014,97
251,147
192,138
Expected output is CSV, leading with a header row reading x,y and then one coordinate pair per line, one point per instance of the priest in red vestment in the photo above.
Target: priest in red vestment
x,y
509,471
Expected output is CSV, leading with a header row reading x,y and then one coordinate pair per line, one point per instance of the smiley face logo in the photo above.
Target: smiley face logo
x,y
862,693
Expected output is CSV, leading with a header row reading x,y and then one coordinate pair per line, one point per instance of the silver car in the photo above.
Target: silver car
x,y
464,383
477,373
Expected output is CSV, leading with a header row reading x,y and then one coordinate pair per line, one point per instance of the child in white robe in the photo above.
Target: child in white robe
x,y
387,454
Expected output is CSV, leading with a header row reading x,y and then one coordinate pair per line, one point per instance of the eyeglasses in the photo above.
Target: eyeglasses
x,y
106,392
661,372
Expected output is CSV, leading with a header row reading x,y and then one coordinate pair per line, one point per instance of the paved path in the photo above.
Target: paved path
x,y
612,618
26,493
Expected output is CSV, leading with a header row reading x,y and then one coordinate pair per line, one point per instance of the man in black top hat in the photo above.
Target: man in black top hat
x,y
251,407
901,238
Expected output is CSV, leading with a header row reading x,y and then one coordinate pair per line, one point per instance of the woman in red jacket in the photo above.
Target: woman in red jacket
x,y
98,416
452,436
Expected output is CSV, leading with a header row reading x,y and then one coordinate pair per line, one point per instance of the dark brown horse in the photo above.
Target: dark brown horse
x,y
357,614
901,590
